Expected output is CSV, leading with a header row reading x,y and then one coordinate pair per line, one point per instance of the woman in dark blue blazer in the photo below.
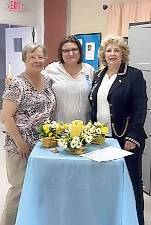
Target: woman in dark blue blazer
x,y
118,98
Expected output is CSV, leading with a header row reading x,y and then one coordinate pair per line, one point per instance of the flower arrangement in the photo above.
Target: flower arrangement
x,y
49,132
97,130
78,135
72,137
76,142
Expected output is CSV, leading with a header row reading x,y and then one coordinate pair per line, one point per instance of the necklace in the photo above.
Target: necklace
x,y
110,75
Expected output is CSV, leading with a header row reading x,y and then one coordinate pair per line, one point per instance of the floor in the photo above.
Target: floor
x,y
4,184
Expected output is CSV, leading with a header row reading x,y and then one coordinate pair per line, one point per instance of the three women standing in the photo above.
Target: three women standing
x,y
118,98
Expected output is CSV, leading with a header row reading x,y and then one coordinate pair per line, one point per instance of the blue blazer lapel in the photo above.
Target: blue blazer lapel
x,y
117,83
120,79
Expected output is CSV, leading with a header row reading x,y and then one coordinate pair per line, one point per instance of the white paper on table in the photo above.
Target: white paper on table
x,y
107,154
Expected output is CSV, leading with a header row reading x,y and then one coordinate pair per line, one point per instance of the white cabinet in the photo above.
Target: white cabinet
x,y
139,41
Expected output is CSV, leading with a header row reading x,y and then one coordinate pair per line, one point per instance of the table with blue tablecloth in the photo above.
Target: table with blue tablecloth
x,y
63,189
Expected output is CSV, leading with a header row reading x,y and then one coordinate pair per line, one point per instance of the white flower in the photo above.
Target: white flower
x,y
89,138
89,124
62,143
92,129
53,124
79,145
86,131
73,144
67,131
76,139
97,124
98,130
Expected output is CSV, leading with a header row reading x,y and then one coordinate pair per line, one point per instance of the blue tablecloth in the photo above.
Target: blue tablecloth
x,y
62,189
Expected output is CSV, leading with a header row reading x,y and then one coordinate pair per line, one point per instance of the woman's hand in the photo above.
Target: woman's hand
x,y
8,80
129,146
7,116
23,148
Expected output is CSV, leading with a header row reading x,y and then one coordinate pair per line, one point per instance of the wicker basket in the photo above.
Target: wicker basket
x,y
76,151
49,142
99,140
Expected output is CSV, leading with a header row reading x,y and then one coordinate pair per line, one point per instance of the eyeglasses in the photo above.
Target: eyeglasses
x,y
36,58
67,51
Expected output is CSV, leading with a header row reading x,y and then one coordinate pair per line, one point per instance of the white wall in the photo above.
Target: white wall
x,y
87,16
84,16
32,15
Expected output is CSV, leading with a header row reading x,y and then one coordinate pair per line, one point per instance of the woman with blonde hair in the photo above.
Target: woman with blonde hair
x,y
118,98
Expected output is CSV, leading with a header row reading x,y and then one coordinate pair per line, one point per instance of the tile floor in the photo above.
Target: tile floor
x,y
4,184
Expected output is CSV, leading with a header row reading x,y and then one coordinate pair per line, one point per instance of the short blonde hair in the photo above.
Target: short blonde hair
x,y
31,47
118,41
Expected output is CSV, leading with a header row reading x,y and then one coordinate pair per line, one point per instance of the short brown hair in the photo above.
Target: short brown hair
x,y
71,39
31,47
117,40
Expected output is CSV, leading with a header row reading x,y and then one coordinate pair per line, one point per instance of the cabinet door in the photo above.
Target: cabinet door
x,y
139,40
146,165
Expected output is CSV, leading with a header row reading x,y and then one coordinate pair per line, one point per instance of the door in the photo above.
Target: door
x,y
12,41
15,40
140,56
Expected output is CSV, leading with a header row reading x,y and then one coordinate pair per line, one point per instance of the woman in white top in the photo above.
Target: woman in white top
x,y
71,81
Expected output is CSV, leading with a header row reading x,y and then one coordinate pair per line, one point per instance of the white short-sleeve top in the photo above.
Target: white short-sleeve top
x,y
71,93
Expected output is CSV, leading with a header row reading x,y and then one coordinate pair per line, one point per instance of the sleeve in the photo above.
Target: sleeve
x,y
88,70
92,73
139,101
47,70
51,69
13,92
95,76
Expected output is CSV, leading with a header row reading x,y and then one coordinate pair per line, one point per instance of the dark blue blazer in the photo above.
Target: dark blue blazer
x,y
127,100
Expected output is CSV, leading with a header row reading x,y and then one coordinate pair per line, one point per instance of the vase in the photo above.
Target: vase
x,y
76,128
76,151
99,140
49,142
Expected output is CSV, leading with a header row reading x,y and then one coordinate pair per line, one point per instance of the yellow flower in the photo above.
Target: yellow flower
x,y
46,128
104,130
60,127
50,134
66,126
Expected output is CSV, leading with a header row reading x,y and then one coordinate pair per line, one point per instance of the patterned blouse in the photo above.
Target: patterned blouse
x,y
33,108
